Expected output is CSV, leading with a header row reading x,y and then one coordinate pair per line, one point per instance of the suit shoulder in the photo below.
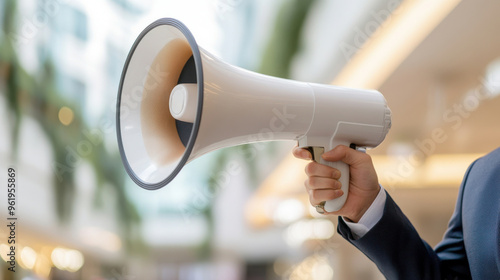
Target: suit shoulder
x,y
491,158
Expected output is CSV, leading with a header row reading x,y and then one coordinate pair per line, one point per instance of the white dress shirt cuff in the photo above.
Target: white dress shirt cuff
x,y
371,216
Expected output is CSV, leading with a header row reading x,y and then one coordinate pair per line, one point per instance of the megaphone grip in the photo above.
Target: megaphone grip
x,y
337,203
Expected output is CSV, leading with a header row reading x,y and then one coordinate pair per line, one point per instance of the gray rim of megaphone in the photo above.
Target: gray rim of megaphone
x,y
196,125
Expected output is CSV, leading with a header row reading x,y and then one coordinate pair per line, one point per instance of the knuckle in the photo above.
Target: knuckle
x,y
310,168
300,153
365,157
313,181
336,174
315,196
337,184
318,182
330,195
322,183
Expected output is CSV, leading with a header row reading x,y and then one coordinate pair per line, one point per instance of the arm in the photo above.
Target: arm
x,y
399,252
392,243
395,246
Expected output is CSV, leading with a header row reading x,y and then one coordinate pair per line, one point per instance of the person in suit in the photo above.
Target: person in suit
x,y
372,221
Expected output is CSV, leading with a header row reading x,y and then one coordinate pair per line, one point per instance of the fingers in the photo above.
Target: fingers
x,y
322,183
350,156
318,196
301,153
315,169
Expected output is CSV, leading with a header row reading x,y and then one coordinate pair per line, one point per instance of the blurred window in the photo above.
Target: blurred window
x,y
134,6
115,60
73,21
79,24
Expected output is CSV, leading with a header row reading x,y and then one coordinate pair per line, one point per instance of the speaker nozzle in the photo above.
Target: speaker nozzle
x,y
183,102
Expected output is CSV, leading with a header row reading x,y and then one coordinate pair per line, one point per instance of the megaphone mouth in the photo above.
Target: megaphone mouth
x,y
153,145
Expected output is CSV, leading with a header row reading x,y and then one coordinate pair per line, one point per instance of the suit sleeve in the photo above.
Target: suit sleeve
x,y
395,247
451,250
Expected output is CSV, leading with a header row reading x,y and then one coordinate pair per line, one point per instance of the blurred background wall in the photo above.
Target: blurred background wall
x,y
238,213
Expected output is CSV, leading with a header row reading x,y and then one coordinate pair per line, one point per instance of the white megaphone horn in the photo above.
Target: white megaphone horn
x,y
177,102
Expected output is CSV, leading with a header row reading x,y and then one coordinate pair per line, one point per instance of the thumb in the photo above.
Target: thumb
x,y
345,154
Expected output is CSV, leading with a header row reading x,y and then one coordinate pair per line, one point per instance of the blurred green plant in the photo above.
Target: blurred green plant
x,y
12,74
285,39
37,96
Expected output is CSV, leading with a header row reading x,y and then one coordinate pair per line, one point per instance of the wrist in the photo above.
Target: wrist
x,y
355,217
363,206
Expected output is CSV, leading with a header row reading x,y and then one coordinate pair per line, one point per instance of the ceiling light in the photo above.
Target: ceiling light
x,y
397,37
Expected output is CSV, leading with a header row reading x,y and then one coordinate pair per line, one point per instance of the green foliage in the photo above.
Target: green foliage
x,y
11,73
38,97
285,38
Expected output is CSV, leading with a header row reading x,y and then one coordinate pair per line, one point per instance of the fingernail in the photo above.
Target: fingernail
x,y
306,154
339,193
339,184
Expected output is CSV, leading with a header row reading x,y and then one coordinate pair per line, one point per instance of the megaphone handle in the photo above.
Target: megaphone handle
x,y
337,203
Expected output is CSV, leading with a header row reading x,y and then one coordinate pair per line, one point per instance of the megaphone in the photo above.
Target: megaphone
x,y
177,102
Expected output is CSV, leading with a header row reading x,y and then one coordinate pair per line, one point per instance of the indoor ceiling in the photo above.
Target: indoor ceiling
x,y
437,108
430,86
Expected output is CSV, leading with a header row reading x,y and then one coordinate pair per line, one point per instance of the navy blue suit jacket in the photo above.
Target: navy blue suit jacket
x,y
470,247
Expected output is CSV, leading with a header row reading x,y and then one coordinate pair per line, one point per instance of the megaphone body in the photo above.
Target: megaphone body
x,y
177,102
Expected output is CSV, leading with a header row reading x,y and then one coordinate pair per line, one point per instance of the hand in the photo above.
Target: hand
x,y
322,183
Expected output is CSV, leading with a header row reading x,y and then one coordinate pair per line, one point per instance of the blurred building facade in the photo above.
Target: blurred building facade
x,y
84,53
